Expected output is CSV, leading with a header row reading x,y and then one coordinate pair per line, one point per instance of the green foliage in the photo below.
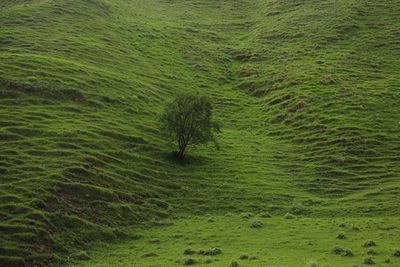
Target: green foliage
x,y
188,119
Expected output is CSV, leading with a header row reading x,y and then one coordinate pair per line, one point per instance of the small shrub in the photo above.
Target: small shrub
x,y
341,236
342,225
355,228
210,252
371,252
396,253
369,261
369,244
189,251
337,250
189,261
347,253
387,261
290,216
313,264
234,264
207,260
256,224
244,256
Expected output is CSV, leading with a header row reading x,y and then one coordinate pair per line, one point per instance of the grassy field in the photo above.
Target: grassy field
x,y
279,242
307,94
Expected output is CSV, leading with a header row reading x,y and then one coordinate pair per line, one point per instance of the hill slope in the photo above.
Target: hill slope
x,y
306,92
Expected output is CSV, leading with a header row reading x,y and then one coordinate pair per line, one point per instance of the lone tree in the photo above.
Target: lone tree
x,y
188,119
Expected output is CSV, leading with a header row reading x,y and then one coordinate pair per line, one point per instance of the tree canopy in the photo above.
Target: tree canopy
x,y
188,119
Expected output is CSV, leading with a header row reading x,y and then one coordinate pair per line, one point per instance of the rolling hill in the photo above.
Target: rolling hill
x,y
307,93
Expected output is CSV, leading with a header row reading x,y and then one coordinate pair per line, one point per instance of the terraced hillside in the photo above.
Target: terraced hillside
x,y
306,91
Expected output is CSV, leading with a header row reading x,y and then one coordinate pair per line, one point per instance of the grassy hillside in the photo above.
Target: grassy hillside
x,y
306,92
328,72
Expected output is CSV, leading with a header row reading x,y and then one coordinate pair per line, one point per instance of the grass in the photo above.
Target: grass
x,y
306,91
280,243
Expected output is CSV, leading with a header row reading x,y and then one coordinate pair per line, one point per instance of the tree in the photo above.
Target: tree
x,y
188,119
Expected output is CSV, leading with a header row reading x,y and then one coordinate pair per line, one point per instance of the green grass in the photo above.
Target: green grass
x,y
307,93
280,242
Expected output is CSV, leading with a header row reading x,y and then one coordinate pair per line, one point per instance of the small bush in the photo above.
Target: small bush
x,y
189,251
189,261
355,228
244,256
347,253
337,250
210,252
256,224
234,264
372,252
396,253
207,260
387,261
290,216
369,261
369,244
342,225
313,264
341,236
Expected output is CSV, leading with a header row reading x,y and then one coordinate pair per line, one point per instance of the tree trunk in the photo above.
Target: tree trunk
x,y
182,148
